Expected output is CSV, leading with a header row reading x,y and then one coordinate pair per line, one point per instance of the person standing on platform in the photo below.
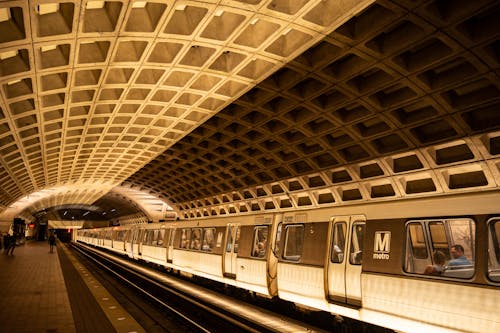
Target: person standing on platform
x,y
12,244
6,241
52,242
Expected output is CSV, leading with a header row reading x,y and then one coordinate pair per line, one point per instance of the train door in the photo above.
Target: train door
x,y
128,242
231,250
344,266
170,244
135,241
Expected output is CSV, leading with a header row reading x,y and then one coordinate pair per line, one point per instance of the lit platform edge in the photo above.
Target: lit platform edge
x,y
121,320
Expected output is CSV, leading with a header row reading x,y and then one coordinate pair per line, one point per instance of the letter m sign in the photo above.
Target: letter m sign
x,y
382,242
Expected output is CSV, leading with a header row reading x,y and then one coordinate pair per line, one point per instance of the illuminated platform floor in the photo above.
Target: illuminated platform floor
x,y
51,292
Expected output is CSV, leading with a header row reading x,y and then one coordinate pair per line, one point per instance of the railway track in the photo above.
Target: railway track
x,y
161,304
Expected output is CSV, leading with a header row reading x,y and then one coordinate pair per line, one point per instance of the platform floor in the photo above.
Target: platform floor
x,y
52,293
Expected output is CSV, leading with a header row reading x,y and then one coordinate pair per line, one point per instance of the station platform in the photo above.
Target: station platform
x,y
49,292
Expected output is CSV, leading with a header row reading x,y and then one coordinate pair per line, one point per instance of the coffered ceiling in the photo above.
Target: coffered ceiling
x,y
229,107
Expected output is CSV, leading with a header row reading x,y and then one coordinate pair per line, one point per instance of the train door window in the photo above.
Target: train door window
x,y
233,239
294,241
260,241
171,235
277,242
185,237
338,243
208,239
196,239
237,239
494,249
357,243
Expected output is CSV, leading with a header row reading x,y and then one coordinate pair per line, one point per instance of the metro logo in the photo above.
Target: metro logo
x,y
382,245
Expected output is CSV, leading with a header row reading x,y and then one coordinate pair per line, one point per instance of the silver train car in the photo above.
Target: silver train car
x,y
374,262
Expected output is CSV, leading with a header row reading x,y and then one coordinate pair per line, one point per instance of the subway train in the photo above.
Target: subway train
x,y
373,262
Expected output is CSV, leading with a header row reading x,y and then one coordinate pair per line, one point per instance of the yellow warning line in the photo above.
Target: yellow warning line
x,y
121,320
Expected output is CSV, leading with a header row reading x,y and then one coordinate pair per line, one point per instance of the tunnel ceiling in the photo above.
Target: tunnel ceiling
x,y
234,106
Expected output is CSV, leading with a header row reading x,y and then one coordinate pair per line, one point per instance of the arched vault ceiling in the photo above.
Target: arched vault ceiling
x,y
399,101
300,102
93,90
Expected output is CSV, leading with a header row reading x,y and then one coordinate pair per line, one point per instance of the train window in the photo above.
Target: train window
x,y
338,243
171,237
294,241
161,237
196,239
462,232
135,236
150,238
155,237
494,249
451,242
208,239
237,239
220,235
260,241
185,237
357,242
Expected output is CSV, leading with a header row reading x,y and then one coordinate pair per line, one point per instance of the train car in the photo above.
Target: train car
x,y
416,265
234,251
372,262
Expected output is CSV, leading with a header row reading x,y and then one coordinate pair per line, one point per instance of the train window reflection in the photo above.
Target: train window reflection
x,y
338,244
185,237
294,241
237,239
260,241
494,249
196,239
208,239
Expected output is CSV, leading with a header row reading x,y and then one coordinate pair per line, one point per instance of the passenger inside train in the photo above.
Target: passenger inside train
x,y
438,267
459,259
